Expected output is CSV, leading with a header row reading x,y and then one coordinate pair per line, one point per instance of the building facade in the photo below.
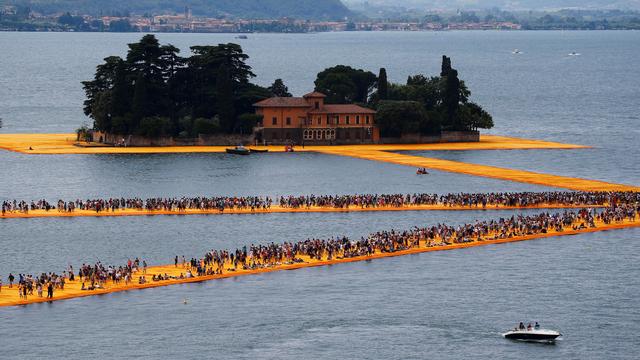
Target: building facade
x,y
308,120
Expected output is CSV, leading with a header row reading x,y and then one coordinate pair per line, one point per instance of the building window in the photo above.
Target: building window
x,y
316,105
308,134
288,121
366,118
357,119
319,120
337,120
346,119
318,134
274,121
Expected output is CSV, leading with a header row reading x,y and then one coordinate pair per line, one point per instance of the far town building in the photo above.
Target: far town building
x,y
308,120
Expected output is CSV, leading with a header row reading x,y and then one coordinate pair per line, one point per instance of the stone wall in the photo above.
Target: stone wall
x,y
278,136
201,140
460,136
445,136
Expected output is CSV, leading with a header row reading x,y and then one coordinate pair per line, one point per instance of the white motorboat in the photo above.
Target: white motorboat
x,y
539,335
516,51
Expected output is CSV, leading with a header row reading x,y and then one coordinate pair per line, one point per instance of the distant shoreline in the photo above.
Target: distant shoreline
x,y
312,32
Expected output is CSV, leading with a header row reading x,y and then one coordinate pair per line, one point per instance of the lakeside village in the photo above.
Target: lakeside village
x,y
155,97
27,20
59,18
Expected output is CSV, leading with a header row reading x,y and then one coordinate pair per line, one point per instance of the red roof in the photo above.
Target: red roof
x,y
315,94
343,109
283,102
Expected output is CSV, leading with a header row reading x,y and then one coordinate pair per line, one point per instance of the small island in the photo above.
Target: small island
x,y
155,97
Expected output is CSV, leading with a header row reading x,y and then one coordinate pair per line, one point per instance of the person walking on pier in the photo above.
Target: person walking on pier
x,y
11,278
50,290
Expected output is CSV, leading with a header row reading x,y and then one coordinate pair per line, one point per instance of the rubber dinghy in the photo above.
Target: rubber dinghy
x,y
540,335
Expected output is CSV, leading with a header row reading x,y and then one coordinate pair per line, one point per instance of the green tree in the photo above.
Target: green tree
x,y
141,104
98,92
344,84
278,88
474,117
446,66
451,100
121,91
396,118
225,98
155,126
383,85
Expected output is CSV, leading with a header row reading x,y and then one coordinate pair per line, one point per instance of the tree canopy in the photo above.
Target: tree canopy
x,y
278,88
343,84
444,104
154,91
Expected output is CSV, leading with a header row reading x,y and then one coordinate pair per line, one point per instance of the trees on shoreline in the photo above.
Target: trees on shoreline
x,y
425,105
156,92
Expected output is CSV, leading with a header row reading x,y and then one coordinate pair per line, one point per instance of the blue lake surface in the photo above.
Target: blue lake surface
x,y
445,305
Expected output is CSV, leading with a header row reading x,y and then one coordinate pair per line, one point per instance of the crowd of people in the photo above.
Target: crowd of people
x,y
478,200
257,256
92,277
621,207
268,255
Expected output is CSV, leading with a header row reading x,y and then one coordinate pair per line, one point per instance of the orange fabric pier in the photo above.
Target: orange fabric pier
x,y
9,297
67,144
274,210
485,171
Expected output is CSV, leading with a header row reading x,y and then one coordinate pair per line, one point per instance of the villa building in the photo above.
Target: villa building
x,y
308,120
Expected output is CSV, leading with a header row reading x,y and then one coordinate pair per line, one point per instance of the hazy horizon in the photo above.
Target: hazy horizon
x,y
539,5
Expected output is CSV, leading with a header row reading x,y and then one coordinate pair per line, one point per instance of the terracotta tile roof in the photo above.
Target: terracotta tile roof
x,y
283,102
315,94
343,109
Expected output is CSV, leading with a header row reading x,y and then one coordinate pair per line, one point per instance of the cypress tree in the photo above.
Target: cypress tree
x,y
446,66
383,85
452,99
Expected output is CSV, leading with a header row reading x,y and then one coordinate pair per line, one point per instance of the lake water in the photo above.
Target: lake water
x,y
446,305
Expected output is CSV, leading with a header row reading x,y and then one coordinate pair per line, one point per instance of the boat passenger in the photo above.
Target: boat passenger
x,y
521,326
536,326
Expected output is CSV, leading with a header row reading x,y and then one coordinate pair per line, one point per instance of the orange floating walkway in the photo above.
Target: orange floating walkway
x,y
10,297
276,209
486,171
66,144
